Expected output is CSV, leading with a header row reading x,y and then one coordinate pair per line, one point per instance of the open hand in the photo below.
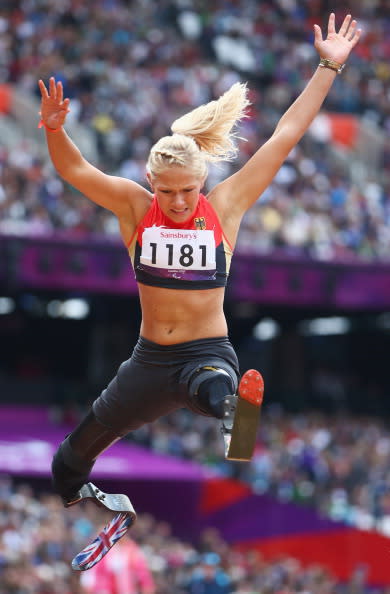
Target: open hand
x,y
337,45
54,107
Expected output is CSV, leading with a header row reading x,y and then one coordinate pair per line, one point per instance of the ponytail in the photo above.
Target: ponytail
x,y
207,133
212,125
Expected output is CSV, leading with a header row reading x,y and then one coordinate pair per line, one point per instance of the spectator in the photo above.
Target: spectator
x,y
124,571
209,577
179,58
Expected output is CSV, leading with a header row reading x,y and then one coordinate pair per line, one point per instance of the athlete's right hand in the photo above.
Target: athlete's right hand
x,y
54,107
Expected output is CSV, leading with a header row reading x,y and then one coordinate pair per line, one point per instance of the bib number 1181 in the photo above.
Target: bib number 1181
x,y
185,259
176,249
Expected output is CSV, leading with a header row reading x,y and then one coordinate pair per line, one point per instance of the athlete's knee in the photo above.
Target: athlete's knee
x,y
210,385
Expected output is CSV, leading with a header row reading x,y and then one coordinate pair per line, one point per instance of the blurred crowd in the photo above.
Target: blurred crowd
x,y
130,68
339,463
38,540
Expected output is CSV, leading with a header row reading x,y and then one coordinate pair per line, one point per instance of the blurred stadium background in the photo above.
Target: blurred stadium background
x,y
308,302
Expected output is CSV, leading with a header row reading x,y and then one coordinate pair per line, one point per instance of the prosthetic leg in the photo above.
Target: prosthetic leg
x,y
239,408
242,416
71,467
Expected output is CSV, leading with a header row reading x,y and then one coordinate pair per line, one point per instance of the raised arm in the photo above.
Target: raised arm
x,y
114,193
243,188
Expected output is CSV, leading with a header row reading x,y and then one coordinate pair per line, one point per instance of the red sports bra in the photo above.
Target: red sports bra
x,y
190,255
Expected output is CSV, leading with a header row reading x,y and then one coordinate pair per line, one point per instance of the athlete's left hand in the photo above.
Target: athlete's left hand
x,y
337,45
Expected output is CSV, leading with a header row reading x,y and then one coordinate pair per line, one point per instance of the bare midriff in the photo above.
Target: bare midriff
x,y
171,316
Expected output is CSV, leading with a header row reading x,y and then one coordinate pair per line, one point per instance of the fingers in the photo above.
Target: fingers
x,y
331,24
52,88
351,31
43,89
317,34
55,92
65,106
344,27
60,92
348,29
355,37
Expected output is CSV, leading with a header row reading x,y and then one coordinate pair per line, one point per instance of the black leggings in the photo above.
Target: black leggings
x,y
156,380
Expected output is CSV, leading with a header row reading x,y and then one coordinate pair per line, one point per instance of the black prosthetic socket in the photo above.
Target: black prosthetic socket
x,y
76,455
91,438
212,393
67,480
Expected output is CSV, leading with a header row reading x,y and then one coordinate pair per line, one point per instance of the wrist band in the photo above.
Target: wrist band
x,y
332,65
43,125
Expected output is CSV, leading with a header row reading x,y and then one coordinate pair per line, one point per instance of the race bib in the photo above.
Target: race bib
x,y
178,249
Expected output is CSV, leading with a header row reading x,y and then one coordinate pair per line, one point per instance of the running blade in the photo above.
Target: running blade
x,y
240,441
98,548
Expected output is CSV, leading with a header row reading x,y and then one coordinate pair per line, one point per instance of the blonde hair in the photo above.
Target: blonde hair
x,y
205,134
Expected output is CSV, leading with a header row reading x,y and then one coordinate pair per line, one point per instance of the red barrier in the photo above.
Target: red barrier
x,y
341,552
5,98
248,521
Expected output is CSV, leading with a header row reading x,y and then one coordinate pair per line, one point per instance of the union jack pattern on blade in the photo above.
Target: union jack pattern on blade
x,y
110,534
